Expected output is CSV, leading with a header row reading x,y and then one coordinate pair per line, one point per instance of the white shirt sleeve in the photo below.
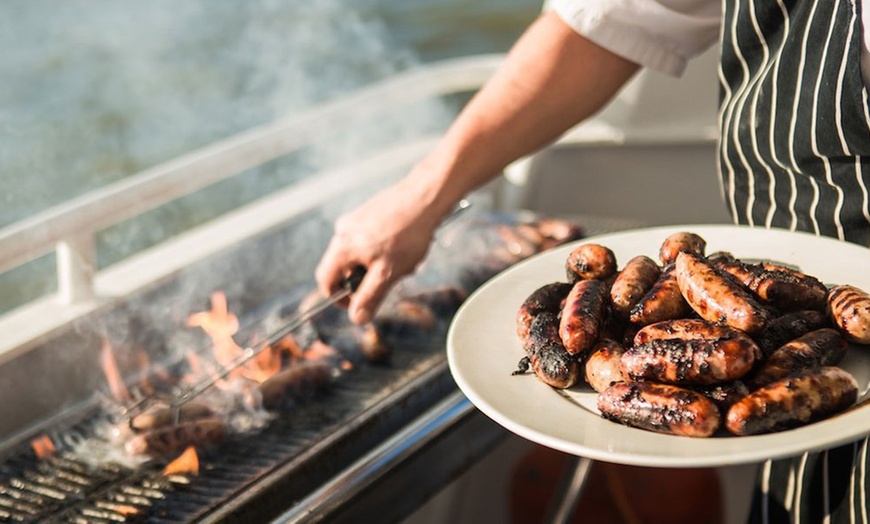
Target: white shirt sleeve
x,y
659,34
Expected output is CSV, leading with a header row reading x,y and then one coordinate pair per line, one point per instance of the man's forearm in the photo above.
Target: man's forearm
x,y
552,79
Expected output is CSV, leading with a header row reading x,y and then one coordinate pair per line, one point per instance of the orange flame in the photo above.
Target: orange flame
x,y
220,325
43,447
186,463
113,374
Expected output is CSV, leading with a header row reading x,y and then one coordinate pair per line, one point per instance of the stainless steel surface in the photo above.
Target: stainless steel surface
x,y
379,462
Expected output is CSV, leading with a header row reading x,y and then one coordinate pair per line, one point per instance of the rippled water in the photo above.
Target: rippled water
x,y
95,90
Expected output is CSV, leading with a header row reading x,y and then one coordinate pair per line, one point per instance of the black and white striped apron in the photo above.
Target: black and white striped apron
x,y
795,154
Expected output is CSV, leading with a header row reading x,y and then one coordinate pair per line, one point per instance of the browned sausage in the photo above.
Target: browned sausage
x,y
793,401
170,439
822,347
716,297
662,302
684,329
406,317
548,297
781,286
679,242
849,308
557,231
602,366
632,283
690,361
166,415
546,355
788,327
372,344
590,261
583,315
297,382
662,408
443,300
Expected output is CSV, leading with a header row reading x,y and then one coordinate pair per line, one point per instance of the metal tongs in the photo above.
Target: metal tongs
x,y
349,285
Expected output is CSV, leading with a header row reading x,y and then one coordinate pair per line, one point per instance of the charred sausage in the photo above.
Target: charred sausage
x,y
590,261
662,408
683,329
781,286
632,283
583,315
170,439
166,415
793,401
690,361
849,308
716,297
602,366
822,347
546,355
788,327
297,382
548,297
679,242
662,302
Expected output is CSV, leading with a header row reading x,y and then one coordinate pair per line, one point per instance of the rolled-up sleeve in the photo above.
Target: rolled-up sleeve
x,y
659,34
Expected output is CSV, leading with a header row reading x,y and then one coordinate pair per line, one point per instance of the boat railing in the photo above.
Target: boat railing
x,y
68,231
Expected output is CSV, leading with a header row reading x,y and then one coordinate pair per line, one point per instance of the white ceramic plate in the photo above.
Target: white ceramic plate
x,y
483,349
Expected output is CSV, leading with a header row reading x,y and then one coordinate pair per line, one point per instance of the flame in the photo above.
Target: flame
x,y
220,325
113,374
43,447
186,463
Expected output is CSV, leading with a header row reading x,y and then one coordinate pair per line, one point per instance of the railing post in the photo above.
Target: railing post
x,y
76,264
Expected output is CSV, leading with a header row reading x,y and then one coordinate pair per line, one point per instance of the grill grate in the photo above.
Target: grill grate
x,y
318,436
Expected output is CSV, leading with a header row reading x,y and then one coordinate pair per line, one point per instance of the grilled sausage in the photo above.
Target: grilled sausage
x,y
442,300
406,317
679,242
690,361
662,408
632,283
684,329
557,232
793,401
716,297
583,315
297,382
781,286
371,344
590,261
548,297
170,439
849,308
788,327
602,366
166,415
662,302
546,355
822,347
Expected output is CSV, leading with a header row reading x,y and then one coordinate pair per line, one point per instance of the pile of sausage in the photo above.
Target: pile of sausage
x,y
693,344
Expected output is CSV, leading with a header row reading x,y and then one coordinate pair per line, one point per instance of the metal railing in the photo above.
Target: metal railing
x,y
69,229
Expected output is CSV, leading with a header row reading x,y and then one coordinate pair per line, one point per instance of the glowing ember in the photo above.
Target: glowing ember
x,y
186,463
43,447
113,374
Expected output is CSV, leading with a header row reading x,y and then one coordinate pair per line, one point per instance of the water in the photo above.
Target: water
x,y
96,90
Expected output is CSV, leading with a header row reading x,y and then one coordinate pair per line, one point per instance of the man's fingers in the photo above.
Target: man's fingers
x,y
371,292
330,271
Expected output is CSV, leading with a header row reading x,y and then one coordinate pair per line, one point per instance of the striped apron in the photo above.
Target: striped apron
x,y
795,154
